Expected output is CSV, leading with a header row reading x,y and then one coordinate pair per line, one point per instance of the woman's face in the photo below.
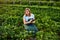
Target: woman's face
x,y
27,12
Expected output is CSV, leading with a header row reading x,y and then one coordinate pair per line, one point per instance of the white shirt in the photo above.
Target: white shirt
x,y
27,18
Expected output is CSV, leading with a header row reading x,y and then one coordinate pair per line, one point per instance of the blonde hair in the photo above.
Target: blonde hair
x,y
28,10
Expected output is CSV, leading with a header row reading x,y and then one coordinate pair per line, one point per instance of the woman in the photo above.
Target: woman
x,y
29,20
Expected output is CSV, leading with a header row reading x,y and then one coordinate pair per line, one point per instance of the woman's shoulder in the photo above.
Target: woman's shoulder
x,y
24,16
32,14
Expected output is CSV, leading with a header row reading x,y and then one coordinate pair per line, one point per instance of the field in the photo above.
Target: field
x,y
47,22
32,2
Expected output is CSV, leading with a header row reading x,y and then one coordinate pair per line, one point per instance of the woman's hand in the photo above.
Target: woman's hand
x,y
30,21
33,22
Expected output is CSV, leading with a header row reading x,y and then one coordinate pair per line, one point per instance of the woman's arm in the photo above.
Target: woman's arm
x,y
26,22
33,22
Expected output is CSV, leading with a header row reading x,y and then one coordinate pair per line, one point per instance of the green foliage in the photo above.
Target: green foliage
x,y
11,23
32,2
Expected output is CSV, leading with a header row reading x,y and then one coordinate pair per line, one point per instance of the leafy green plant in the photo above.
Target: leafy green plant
x,y
11,23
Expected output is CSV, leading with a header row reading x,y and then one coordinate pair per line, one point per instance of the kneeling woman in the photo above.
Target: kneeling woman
x,y
29,20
